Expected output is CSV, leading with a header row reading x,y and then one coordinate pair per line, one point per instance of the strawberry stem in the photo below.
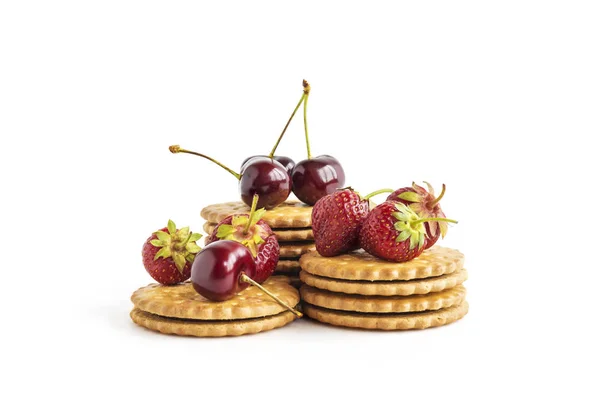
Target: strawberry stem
x,y
252,210
304,95
436,201
375,193
435,220
306,92
175,149
275,298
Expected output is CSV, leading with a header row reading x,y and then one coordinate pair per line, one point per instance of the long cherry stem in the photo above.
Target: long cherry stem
x,y
252,210
175,149
286,125
275,298
306,92
436,201
375,193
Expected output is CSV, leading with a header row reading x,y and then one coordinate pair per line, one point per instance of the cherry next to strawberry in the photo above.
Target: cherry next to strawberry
x,y
254,233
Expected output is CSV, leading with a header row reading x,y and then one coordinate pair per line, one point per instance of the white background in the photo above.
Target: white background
x,y
499,100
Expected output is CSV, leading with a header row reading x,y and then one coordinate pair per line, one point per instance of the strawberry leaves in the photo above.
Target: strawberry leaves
x,y
409,226
179,245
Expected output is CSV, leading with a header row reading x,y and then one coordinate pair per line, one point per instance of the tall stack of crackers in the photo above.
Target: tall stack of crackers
x,y
358,290
291,223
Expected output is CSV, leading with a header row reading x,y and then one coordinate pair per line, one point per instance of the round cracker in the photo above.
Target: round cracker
x,y
359,265
209,328
182,301
287,267
290,214
389,288
383,304
296,249
283,235
387,322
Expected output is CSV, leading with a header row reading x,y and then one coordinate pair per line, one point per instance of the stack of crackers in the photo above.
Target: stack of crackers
x,y
291,223
358,290
180,310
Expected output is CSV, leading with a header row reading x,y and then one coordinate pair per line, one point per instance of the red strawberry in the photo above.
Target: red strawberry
x,y
394,232
336,222
255,234
168,254
337,219
426,205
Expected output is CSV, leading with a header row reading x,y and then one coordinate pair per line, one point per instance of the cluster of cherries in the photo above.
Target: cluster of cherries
x,y
273,177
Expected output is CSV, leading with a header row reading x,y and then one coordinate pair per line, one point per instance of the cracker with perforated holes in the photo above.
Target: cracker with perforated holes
x,y
387,322
195,328
383,304
386,288
290,214
283,235
182,301
359,265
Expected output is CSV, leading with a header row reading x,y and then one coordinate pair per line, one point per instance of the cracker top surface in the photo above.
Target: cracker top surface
x,y
182,301
290,214
359,265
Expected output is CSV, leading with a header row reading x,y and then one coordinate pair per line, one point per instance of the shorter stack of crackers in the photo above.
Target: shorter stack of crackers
x,y
358,290
291,223
180,310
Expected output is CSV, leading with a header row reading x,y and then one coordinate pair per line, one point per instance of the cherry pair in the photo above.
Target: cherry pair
x,y
274,177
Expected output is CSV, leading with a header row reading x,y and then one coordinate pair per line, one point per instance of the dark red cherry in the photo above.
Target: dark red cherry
x,y
267,178
225,268
247,160
317,177
287,162
217,270
261,175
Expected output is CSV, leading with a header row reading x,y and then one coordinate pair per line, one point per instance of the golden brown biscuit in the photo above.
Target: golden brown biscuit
x,y
201,328
387,322
289,214
359,265
283,235
383,304
295,249
287,267
182,301
386,288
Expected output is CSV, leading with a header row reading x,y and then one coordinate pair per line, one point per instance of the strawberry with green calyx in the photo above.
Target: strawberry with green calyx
x,y
394,232
254,233
426,205
169,252
337,219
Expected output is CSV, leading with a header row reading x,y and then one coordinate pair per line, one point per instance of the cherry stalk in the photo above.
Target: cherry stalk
x,y
316,177
261,175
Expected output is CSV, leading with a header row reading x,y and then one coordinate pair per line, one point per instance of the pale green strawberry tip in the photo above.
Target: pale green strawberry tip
x,y
410,197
